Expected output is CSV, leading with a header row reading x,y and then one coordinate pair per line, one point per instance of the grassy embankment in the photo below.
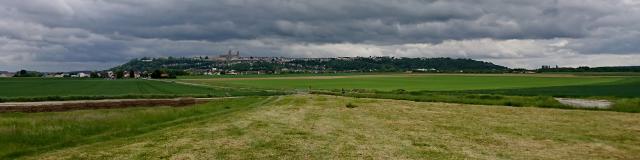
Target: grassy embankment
x,y
52,89
322,127
31,133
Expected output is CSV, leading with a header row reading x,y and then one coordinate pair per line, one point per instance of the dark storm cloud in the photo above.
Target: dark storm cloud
x,y
117,30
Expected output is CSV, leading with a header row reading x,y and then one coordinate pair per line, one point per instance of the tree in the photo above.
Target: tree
x,y
25,73
119,74
94,75
156,74
132,74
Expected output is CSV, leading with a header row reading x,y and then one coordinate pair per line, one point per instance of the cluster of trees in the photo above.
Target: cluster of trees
x,y
390,64
25,73
170,63
594,69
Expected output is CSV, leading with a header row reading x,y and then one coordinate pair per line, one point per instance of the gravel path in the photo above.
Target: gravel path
x,y
586,103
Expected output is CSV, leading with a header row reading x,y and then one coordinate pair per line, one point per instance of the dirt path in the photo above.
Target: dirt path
x,y
585,103
54,106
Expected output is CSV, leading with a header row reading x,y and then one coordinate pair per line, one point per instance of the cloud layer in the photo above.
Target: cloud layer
x,y
59,35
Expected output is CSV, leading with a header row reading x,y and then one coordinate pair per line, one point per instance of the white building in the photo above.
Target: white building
x,y
84,75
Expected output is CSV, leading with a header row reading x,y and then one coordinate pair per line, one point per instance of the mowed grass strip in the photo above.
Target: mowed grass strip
x,y
31,133
411,82
323,127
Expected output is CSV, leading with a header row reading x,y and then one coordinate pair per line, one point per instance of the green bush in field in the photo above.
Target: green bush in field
x,y
627,105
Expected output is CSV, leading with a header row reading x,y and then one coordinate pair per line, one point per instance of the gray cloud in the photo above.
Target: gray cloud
x,y
79,34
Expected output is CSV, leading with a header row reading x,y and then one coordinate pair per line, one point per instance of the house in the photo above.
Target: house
x,y
111,75
58,75
6,74
84,75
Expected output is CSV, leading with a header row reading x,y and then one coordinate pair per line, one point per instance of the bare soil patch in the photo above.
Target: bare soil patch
x,y
585,103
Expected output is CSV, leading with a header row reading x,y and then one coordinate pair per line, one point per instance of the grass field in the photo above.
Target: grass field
x,y
279,75
24,134
628,87
24,87
36,89
409,82
321,127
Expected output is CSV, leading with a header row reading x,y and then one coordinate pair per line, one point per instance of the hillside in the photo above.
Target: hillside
x,y
300,65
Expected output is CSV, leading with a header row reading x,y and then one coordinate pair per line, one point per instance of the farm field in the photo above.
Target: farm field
x,y
33,133
16,88
281,75
430,82
321,127
628,87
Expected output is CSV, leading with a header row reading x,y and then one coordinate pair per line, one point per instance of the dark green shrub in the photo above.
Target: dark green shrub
x,y
351,105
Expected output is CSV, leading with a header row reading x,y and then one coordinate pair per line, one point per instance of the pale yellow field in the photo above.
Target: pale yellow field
x,y
321,127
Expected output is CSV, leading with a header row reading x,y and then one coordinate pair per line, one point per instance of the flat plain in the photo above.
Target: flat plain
x,y
411,82
487,117
26,87
55,89
321,127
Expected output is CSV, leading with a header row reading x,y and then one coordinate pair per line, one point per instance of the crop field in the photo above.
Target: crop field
x,y
30,88
410,82
280,75
628,87
515,90
32,133
370,118
322,127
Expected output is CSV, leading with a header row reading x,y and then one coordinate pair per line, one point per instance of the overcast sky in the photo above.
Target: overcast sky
x,y
64,35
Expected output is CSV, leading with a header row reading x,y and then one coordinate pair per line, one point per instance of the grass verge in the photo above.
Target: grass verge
x,y
321,127
24,134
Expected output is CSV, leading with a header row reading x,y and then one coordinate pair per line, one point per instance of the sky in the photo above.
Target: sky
x,y
67,35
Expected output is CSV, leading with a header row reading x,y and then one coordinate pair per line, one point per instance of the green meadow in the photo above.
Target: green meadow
x,y
322,127
515,90
37,89
388,116
415,82
31,133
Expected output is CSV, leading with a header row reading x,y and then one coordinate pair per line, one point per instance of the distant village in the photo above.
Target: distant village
x,y
76,74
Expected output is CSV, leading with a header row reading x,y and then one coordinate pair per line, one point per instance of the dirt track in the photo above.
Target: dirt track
x,y
54,106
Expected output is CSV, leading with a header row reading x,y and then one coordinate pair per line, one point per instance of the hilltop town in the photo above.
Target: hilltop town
x,y
232,62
